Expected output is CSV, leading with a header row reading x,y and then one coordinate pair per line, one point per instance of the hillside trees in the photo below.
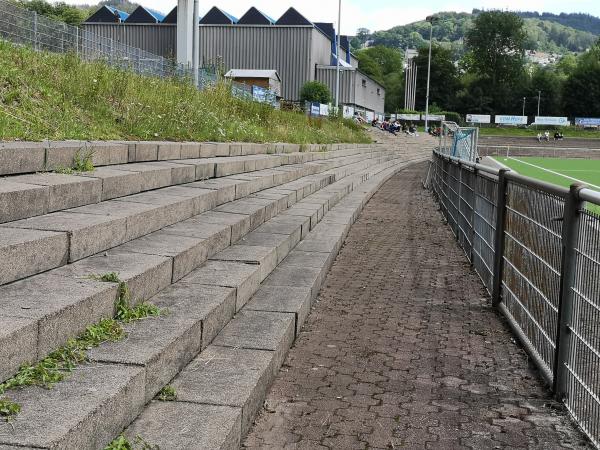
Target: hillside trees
x,y
444,78
385,65
581,94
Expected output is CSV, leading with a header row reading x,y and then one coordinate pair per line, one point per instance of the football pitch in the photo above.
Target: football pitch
x,y
563,172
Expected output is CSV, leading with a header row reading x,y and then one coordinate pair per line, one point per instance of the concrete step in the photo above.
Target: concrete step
x,y
200,306
30,195
148,264
95,228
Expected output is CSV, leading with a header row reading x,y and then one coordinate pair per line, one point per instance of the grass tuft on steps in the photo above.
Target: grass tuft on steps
x,y
57,96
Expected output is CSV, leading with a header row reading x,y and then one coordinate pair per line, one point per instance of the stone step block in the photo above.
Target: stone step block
x,y
293,300
18,344
85,411
225,188
153,175
116,183
26,252
260,330
180,425
61,308
22,157
20,200
88,233
232,377
265,257
240,223
216,235
245,278
65,191
282,243
203,168
145,274
256,210
290,276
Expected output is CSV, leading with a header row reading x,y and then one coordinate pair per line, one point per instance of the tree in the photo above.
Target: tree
x,y
315,91
581,94
444,78
496,47
385,65
59,11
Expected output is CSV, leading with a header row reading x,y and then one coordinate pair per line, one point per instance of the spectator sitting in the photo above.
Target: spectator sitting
x,y
556,135
374,123
539,137
547,136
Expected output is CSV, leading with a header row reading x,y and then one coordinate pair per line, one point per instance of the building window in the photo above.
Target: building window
x,y
364,83
378,91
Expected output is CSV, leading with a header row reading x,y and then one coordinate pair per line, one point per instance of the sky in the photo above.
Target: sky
x,y
375,15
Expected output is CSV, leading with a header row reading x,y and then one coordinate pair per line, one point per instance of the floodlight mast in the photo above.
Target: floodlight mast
x,y
431,20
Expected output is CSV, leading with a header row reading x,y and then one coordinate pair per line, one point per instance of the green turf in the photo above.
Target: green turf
x,y
532,132
585,170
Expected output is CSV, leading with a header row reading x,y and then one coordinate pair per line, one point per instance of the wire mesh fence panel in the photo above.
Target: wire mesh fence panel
x,y
452,181
583,363
532,265
466,203
484,228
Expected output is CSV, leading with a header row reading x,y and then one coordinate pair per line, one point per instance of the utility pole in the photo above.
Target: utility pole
x,y
431,20
196,43
539,101
524,105
337,58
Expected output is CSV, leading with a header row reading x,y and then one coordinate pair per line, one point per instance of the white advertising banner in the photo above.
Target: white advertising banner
x,y
370,115
434,117
409,116
479,118
511,120
559,121
324,110
348,112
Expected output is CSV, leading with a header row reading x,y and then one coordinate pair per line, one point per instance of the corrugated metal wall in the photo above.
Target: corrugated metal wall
x,y
327,75
282,48
366,94
160,39
320,50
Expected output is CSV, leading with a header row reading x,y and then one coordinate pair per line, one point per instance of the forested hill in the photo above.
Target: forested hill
x,y
546,32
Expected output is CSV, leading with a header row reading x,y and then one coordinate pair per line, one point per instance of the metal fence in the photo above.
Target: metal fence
x,y
24,27
536,247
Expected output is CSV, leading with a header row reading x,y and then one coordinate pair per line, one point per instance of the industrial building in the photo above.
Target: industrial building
x,y
293,46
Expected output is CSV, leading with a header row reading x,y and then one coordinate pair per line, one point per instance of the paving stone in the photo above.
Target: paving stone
x,y
19,200
63,307
286,276
65,191
27,252
281,242
213,305
179,426
153,176
260,330
168,150
85,411
88,233
145,275
22,157
116,183
265,257
245,278
217,236
18,344
227,377
187,252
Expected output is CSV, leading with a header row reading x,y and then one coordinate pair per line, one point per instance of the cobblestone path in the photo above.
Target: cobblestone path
x,y
404,351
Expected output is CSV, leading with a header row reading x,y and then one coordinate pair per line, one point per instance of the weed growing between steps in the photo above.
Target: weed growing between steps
x,y
55,367
82,162
122,443
58,96
167,394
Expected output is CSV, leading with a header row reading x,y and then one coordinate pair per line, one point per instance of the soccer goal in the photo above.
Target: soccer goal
x,y
460,142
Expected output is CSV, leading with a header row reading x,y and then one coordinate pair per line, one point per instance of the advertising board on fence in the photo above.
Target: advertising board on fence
x,y
479,118
434,117
370,115
324,110
409,116
511,120
348,112
315,109
587,122
559,121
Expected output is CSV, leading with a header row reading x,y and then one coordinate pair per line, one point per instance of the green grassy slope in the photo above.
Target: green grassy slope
x,y
50,96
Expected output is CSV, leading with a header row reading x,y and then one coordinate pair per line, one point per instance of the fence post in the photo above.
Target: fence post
x,y
35,31
570,238
499,236
475,191
458,213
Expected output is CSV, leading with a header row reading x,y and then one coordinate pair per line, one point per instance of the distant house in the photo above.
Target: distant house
x,y
108,14
268,79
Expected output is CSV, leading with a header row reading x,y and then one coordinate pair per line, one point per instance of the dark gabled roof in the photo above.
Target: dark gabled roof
x,y
255,17
171,17
107,14
217,16
145,15
328,30
293,17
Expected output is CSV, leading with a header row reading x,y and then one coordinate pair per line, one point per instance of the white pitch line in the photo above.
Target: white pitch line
x,y
555,173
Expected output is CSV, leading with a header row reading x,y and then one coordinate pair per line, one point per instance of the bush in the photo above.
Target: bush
x,y
315,91
453,117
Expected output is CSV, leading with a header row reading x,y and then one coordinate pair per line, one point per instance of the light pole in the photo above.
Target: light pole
x,y
524,106
196,42
431,20
539,101
337,58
